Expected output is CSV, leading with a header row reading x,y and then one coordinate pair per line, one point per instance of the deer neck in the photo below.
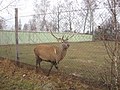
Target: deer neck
x,y
62,52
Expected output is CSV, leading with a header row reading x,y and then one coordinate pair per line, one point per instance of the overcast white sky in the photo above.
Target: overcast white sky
x,y
25,9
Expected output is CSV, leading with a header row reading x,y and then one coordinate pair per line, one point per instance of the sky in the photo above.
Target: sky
x,y
25,8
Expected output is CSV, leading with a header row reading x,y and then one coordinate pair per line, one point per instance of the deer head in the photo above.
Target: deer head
x,y
62,39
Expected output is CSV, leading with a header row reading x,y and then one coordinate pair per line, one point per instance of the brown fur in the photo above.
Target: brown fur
x,y
50,53
46,52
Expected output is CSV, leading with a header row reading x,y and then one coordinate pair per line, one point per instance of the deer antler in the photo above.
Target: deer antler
x,y
53,34
61,39
58,39
68,37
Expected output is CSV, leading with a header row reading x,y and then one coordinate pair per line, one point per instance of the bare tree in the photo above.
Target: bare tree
x,y
115,57
90,7
69,16
20,25
26,27
32,24
57,15
41,8
112,48
2,23
2,8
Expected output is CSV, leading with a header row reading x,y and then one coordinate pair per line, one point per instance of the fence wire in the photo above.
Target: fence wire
x,y
83,59
86,57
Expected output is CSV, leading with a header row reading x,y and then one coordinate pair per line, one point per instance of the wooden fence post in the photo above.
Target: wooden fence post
x,y
16,36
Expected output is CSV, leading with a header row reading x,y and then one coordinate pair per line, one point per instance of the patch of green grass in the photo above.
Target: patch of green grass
x,y
78,51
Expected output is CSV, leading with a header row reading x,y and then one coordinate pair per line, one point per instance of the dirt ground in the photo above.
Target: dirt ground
x,y
24,77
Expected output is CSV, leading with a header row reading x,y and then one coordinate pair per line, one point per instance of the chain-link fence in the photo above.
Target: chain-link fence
x,y
30,39
83,59
87,56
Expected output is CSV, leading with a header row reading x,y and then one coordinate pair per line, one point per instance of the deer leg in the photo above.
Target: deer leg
x,y
55,64
56,67
50,68
36,65
38,60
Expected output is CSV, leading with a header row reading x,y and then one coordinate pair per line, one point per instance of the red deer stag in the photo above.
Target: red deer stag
x,y
51,53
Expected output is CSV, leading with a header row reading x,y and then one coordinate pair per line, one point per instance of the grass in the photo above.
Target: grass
x,y
25,78
86,51
15,83
84,59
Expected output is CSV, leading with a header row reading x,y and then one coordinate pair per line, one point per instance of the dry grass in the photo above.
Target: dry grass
x,y
78,53
25,78
86,60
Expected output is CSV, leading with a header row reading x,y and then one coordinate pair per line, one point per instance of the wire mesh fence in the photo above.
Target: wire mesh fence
x,y
31,39
86,57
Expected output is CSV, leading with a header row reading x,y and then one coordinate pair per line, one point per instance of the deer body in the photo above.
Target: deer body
x,y
50,53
